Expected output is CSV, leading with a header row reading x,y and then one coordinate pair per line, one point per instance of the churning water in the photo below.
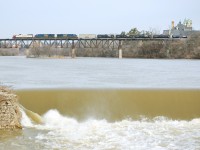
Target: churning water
x,y
97,103
62,132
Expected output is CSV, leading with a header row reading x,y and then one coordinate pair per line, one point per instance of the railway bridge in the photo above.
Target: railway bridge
x,y
113,43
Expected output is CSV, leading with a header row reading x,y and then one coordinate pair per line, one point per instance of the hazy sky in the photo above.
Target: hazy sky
x,y
93,16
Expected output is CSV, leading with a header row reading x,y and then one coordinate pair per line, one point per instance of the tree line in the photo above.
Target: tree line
x,y
135,31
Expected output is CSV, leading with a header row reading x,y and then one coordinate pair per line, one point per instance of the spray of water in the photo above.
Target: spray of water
x,y
62,132
32,115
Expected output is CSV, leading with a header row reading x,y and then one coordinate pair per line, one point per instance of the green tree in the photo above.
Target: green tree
x,y
134,31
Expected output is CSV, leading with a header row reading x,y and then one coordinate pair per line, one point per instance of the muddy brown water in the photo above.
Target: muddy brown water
x,y
114,104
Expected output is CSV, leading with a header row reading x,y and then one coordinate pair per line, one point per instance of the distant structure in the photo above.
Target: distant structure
x,y
181,30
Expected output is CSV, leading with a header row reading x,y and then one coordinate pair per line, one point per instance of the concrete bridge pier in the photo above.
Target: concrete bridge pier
x,y
73,52
120,49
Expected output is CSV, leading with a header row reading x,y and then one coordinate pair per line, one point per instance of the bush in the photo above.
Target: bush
x,y
9,51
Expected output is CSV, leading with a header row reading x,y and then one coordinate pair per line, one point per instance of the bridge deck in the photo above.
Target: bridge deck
x,y
67,43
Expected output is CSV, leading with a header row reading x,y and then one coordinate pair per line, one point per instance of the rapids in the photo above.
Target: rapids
x,y
63,132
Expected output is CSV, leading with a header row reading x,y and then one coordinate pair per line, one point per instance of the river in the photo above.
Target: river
x,y
105,103
22,73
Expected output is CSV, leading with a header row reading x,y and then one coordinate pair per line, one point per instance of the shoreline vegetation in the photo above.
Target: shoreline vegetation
x,y
188,48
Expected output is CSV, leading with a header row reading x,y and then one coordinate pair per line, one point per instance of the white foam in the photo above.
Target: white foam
x,y
25,121
62,132
53,119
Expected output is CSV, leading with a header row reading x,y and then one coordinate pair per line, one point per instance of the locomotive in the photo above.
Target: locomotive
x,y
23,36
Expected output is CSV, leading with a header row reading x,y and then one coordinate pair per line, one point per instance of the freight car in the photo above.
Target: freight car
x,y
23,36
87,36
72,36
142,36
161,36
105,36
61,36
179,36
66,36
122,36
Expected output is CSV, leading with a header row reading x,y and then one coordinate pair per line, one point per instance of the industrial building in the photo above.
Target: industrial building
x,y
181,30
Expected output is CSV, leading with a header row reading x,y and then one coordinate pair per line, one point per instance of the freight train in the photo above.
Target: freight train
x,y
92,36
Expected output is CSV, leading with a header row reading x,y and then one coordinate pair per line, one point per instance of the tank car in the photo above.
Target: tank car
x,y
105,36
161,36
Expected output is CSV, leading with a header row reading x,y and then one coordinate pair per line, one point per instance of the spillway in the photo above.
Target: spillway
x,y
115,104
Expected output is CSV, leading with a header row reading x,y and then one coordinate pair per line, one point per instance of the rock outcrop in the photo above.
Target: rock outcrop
x,y
10,114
